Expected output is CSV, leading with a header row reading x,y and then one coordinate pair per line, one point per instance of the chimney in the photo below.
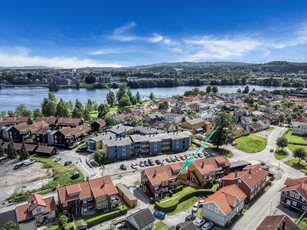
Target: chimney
x,y
177,227
250,170
236,174
155,173
202,164
284,224
110,138
87,178
103,183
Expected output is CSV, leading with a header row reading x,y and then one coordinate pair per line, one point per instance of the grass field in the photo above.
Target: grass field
x,y
269,129
187,204
303,223
281,154
295,138
293,147
170,200
160,226
251,143
299,166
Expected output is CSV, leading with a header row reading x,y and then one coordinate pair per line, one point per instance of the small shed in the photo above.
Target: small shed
x,y
128,197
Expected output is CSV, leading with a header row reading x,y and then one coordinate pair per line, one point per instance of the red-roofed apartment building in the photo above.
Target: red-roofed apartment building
x,y
251,180
157,181
99,193
37,209
223,205
204,171
294,194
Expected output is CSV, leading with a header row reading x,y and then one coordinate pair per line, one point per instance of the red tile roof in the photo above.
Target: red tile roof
x,y
73,189
300,119
211,164
300,185
226,198
273,222
102,186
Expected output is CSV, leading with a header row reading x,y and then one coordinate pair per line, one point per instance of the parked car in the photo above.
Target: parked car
x,y
3,159
57,159
28,162
173,159
141,164
177,158
151,162
123,167
207,226
168,159
75,174
190,217
182,157
158,162
133,165
146,163
67,163
271,150
18,165
200,222
234,143
159,214
201,155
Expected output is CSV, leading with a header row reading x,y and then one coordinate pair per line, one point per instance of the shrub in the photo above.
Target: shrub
x,y
172,207
73,146
152,200
107,216
179,188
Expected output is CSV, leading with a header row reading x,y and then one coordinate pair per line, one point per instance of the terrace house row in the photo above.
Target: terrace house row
x,y
99,194
157,181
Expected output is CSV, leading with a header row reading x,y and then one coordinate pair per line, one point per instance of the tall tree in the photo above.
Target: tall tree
x,y
124,101
61,109
53,87
246,89
111,98
52,97
10,225
89,105
70,105
11,151
86,115
215,89
109,121
78,105
224,133
133,100
138,96
37,113
48,107
239,90
77,113
129,93
151,96
299,153
208,89
23,153
103,110
121,92
282,142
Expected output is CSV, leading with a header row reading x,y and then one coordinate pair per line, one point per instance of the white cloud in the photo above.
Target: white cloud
x,y
155,38
125,28
23,59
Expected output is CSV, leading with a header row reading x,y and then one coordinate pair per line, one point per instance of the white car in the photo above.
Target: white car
x,y
207,226
200,222
133,165
56,159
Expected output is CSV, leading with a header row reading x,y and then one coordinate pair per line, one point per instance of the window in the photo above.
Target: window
x,y
239,180
294,203
297,196
304,207
291,193
210,207
38,210
65,204
98,199
216,210
103,197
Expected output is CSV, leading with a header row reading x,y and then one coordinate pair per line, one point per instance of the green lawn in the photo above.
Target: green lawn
x,y
224,152
295,138
251,143
281,154
187,204
293,147
199,213
160,226
294,163
170,200
303,223
270,128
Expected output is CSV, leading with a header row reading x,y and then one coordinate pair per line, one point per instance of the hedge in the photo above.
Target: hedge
x,y
118,221
172,207
174,190
106,216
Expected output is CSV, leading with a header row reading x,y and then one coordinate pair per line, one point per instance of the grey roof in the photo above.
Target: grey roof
x,y
195,121
126,191
120,141
239,164
173,115
184,226
143,217
120,129
103,136
148,130
7,216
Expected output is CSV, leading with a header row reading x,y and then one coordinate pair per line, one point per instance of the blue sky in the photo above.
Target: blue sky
x,y
126,33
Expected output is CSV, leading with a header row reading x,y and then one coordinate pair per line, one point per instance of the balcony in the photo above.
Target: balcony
x,y
115,201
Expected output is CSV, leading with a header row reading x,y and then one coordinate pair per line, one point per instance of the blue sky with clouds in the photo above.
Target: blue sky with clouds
x,y
125,33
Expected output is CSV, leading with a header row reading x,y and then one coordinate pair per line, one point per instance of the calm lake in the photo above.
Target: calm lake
x,y
32,97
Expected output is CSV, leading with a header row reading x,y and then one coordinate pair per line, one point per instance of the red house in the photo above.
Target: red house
x,y
251,180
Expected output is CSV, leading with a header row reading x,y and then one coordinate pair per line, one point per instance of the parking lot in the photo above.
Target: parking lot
x,y
25,178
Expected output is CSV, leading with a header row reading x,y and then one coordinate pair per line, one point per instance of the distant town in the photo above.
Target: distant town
x,y
115,165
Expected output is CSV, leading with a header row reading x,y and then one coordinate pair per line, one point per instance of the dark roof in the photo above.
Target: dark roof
x,y
44,149
143,217
7,216
184,226
273,222
239,164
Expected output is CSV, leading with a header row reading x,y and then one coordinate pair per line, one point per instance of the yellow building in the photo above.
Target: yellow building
x,y
193,124
209,126
238,131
